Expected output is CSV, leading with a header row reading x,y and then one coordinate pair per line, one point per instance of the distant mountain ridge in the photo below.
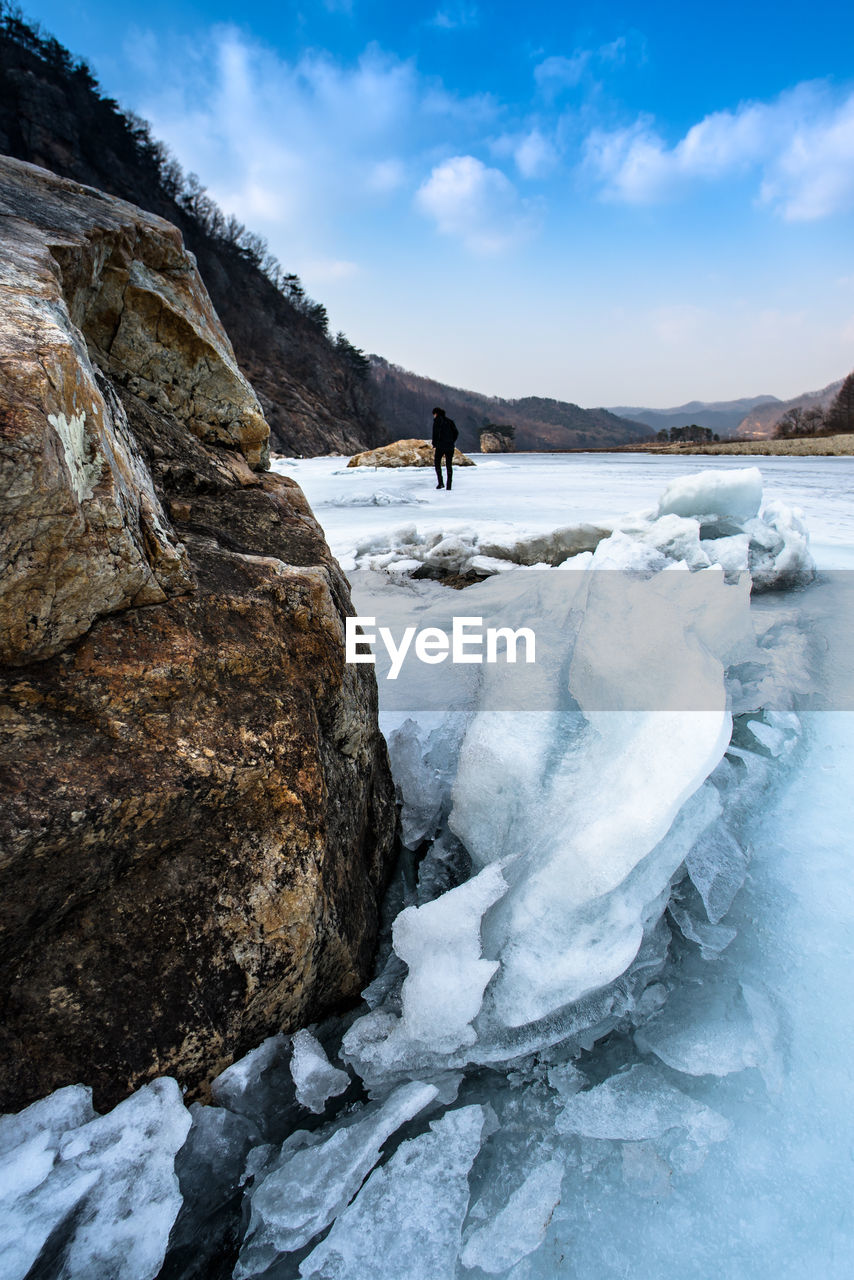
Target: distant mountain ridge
x,y
750,418
760,422
721,416
406,401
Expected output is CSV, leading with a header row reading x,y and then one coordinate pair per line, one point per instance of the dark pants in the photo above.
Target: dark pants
x,y
447,453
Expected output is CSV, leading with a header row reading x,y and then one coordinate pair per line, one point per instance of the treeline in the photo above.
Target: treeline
x,y
698,435
837,419
151,157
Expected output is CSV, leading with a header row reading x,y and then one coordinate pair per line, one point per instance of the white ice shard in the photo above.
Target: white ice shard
x,y
29,1150
574,804
440,942
315,1078
520,1227
47,1119
443,990
304,1190
779,554
712,939
736,493
713,1027
410,1212
639,1104
717,865
111,1186
259,1086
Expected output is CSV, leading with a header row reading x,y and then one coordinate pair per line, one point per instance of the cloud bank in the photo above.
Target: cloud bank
x,y
799,149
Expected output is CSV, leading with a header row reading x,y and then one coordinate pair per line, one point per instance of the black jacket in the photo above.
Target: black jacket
x,y
444,432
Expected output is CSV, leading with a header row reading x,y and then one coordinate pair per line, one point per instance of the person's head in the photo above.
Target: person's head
x,y
438,413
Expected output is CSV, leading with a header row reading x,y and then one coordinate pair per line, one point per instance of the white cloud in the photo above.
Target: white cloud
x,y
533,153
295,147
814,174
800,148
473,203
453,17
615,50
557,73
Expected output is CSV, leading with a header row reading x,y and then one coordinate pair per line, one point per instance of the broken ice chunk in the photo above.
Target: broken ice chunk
x,y
441,944
260,1087
638,1104
57,1113
717,865
409,1214
29,1144
315,1078
303,1192
520,1227
772,738
735,493
112,1190
707,1028
211,1167
137,1199
712,939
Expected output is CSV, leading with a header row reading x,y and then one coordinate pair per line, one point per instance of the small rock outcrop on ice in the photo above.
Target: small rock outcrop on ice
x,y
496,442
404,453
197,813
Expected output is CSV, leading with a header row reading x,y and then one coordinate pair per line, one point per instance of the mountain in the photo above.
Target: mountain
x,y
721,416
406,401
761,420
314,389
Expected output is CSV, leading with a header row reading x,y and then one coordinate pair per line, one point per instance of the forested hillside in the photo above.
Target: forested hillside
x,y
406,401
313,387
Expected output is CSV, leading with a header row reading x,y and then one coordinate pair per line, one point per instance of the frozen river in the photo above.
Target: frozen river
x,y
609,1033
540,491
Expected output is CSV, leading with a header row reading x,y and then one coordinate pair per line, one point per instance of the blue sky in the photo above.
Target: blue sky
x,y
607,203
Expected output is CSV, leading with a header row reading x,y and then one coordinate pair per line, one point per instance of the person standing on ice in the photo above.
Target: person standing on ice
x,y
444,435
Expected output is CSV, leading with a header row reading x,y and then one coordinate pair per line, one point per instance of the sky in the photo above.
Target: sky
x,y
611,204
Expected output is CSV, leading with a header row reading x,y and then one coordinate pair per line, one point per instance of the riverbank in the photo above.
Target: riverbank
x,y
801,447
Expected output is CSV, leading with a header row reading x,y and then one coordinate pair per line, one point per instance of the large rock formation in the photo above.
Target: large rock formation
x,y
197,812
404,453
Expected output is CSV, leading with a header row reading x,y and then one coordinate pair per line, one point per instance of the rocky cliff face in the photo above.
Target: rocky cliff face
x,y
197,811
315,398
